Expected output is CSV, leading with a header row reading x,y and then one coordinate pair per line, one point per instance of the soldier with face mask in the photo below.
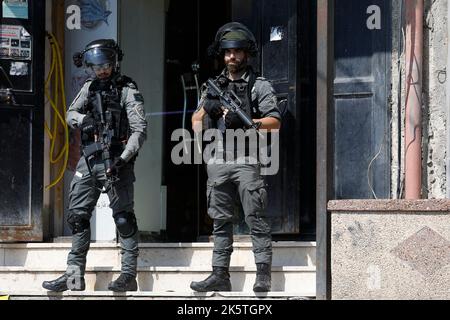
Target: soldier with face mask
x,y
123,110
234,43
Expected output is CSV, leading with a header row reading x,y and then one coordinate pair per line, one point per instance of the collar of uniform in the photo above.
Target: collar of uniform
x,y
245,77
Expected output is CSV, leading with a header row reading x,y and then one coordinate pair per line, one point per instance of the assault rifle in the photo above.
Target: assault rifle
x,y
104,134
231,101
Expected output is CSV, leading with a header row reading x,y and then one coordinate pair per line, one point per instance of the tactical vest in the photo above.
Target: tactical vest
x,y
115,113
243,90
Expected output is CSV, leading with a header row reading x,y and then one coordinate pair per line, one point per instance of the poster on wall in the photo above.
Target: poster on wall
x,y
15,9
94,12
97,20
15,43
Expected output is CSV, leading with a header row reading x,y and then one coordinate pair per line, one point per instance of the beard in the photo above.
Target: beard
x,y
236,66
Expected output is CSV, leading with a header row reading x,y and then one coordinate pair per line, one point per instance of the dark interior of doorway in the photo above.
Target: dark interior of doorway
x,y
190,29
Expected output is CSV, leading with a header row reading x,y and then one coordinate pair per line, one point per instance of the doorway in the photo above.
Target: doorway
x,y
190,29
291,66
22,63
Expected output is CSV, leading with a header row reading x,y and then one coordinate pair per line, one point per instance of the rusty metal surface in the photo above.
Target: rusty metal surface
x,y
413,108
27,233
19,234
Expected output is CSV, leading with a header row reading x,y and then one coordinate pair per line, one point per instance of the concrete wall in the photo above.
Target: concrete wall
x,y
434,128
398,72
434,99
394,249
141,35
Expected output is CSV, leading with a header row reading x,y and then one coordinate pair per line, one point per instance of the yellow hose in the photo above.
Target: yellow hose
x,y
58,86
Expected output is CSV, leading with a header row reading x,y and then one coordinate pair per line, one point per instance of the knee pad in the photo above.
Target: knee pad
x,y
126,224
78,223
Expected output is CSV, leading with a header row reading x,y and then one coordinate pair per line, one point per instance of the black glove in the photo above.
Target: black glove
x,y
88,125
212,106
232,121
117,165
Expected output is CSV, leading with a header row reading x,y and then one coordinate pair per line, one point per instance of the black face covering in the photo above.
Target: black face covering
x,y
106,84
101,85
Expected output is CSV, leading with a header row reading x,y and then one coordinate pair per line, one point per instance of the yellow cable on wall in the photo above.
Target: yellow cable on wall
x,y
57,74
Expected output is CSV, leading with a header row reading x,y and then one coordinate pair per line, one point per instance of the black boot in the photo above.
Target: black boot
x,y
218,280
263,278
125,282
65,282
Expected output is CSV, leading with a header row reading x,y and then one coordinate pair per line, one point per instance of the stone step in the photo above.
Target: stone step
x,y
149,295
54,255
297,280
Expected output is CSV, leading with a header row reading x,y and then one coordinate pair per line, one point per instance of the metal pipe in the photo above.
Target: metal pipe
x,y
413,113
401,45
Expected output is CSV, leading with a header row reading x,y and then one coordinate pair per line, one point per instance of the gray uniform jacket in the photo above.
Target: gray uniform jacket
x,y
133,102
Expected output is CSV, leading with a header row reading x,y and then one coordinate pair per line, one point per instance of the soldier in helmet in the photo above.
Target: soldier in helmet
x,y
124,107
234,43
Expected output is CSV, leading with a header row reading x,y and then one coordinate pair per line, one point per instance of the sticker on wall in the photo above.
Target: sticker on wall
x,y
19,69
276,33
15,43
15,9
93,12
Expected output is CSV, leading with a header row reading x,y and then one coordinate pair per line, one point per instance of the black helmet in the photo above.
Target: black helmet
x,y
99,52
233,35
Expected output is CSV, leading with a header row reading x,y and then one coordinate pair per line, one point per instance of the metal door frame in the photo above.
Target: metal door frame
x,y
325,124
34,101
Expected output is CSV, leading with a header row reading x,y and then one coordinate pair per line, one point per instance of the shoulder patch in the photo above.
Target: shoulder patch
x,y
87,82
261,82
275,100
131,85
138,97
139,109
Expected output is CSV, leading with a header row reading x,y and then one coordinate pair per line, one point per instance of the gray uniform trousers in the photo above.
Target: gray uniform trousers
x,y
84,193
225,182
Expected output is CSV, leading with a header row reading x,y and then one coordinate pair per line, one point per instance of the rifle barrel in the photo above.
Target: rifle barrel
x,y
229,99
99,106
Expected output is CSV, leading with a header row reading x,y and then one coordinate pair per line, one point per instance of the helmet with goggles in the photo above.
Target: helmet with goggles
x,y
99,54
